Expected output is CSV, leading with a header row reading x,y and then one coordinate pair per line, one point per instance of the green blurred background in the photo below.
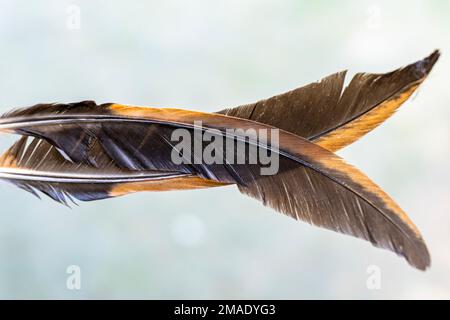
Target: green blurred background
x,y
206,55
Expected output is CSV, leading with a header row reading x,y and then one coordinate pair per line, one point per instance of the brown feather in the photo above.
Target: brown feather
x,y
333,117
312,185
39,166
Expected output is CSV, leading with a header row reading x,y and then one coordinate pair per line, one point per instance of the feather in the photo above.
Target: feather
x,y
332,117
39,166
312,184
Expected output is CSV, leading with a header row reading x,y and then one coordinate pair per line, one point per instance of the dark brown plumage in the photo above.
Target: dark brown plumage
x,y
333,117
87,151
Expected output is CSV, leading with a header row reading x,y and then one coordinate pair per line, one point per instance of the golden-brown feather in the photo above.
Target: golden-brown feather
x,y
349,133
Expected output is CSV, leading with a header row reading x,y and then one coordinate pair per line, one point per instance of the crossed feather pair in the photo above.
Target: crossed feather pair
x,y
84,151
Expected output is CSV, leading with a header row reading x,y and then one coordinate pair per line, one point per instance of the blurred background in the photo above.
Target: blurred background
x,y
206,55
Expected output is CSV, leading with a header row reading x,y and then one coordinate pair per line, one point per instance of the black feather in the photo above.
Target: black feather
x,y
39,166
